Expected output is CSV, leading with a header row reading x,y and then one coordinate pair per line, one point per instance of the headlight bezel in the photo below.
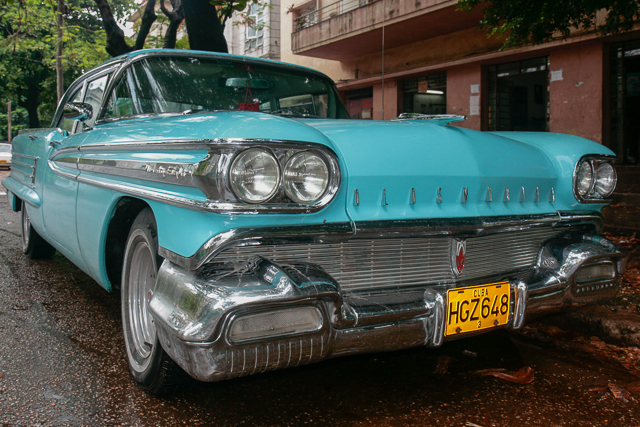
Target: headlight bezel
x,y
594,162
212,176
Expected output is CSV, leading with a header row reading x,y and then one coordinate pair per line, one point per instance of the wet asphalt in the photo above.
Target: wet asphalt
x,y
62,363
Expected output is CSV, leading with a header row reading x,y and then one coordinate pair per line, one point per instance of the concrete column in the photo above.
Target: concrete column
x,y
392,97
463,94
575,90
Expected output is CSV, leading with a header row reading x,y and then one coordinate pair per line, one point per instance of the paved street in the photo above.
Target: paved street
x,y
62,363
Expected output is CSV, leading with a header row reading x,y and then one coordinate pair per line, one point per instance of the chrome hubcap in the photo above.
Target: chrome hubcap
x,y
141,283
26,226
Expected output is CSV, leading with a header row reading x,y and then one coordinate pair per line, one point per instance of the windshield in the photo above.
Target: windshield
x,y
175,85
5,148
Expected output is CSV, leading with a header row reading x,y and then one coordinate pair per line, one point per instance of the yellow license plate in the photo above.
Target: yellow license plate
x,y
3,161
477,307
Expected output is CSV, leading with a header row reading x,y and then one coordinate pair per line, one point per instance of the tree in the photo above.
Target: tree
x,y
28,51
524,22
205,21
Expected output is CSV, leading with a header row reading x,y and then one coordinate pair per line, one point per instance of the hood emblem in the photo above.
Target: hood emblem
x,y
458,254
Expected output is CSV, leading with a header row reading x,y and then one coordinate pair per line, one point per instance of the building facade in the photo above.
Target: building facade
x,y
261,40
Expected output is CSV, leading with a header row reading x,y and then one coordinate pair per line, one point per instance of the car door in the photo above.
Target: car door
x,y
60,186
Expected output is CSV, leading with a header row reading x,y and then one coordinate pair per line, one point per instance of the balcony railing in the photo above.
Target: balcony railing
x,y
327,12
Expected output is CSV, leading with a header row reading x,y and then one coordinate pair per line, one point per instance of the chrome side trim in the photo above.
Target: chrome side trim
x,y
208,175
29,177
342,232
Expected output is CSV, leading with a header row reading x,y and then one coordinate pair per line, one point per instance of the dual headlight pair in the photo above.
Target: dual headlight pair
x,y
256,176
594,179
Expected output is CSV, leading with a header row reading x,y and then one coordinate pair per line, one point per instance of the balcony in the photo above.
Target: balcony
x,y
348,29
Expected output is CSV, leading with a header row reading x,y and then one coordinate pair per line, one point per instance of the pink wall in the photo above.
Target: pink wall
x,y
391,100
575,91
459,94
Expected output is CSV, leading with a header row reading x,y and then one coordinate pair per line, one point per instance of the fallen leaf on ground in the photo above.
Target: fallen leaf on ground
x,y
485,371
468,424
619,392
523,376
443,365
633,388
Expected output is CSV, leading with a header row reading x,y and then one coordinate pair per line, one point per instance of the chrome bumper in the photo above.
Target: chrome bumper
x,y
194,310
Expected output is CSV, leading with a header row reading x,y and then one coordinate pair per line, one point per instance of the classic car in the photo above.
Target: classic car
x,y
250,225
5,155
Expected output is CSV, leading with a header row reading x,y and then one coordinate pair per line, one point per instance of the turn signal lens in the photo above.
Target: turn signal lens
x,y
255,175
605,179
290,321
584,179
595,273
306,176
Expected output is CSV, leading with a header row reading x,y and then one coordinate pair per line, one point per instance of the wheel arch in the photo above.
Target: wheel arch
x,y
125,211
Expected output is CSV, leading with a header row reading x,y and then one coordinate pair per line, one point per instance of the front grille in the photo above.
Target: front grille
x,y
375,264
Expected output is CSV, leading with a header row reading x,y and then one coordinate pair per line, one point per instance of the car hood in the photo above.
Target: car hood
x,y
400,170
415,169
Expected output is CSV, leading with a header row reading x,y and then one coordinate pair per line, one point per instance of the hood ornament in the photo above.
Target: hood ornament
x,y
458,255
438,119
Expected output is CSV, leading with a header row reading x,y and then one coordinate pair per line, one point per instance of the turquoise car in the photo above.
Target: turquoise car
x,y
250,225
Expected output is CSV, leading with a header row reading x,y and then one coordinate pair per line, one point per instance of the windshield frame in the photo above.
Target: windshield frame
x,y
341,113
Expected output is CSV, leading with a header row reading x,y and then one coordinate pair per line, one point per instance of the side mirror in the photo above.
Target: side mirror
x,y
77,111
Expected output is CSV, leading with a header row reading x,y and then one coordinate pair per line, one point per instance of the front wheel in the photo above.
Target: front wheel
x,y
33,246
151,367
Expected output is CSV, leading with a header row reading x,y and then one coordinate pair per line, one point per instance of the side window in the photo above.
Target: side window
x,y
95,92
67,124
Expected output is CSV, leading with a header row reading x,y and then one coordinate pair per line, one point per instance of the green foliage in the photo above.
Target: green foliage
x,y
28,39
227,7
523,22
19,120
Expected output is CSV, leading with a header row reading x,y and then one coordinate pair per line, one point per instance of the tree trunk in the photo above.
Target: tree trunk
x,y
176,16
116,43
203,26
30,103
147,20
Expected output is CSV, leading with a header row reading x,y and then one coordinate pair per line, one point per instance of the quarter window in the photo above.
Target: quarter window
x,y
95,92
67,124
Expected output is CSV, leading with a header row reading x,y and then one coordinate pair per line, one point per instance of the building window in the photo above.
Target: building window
x,y
254,34
426,95
625,101
305,16
360,103
519,96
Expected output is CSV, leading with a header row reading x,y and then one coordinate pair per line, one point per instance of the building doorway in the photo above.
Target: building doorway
x,y
625,102
359,103
426,95
519,96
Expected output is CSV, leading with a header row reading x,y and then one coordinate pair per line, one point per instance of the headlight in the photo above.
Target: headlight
x,y
594,179
254,175
605,179
585,178
306,176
